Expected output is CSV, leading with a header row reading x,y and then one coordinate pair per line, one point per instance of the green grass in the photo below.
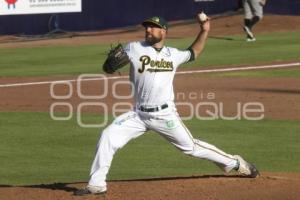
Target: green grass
x,y
53,60
267,48
70,60
35,149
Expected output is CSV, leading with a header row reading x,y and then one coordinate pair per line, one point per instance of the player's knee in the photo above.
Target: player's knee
x,y
194,150
188,151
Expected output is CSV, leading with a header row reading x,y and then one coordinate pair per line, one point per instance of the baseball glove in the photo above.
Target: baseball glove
x,y
116,59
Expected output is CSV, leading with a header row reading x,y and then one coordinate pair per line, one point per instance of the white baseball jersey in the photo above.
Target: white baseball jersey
x,y
152,72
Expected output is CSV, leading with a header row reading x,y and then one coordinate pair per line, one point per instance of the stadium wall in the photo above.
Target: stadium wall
x,y
103,14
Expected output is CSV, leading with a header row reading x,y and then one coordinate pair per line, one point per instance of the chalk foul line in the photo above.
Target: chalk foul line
x,y
180,72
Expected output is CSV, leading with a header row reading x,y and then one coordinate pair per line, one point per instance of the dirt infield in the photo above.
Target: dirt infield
x,y
279,96
213,187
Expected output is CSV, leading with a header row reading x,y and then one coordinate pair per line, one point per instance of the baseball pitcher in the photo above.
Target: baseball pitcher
x,y
152,70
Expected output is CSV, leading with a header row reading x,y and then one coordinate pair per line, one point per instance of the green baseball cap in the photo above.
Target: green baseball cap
x,y
156,20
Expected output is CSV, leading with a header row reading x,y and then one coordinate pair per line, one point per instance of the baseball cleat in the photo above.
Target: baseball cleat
x,y
250,39
248,32
250,35
94,190
245,168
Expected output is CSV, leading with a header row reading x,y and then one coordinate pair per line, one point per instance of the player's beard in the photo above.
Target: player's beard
x,y
151,39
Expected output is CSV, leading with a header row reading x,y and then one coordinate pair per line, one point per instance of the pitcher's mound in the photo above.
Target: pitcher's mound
x,y
268,186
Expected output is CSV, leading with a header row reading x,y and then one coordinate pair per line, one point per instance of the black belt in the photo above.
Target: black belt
x,y
155,109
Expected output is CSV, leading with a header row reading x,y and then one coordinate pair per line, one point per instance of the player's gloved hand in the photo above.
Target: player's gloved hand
x,y
116,59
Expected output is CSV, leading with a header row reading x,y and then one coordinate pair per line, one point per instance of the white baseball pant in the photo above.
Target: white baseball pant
x,y
168,124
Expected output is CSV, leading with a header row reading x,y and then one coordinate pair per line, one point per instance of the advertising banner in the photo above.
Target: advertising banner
x,y
15,7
